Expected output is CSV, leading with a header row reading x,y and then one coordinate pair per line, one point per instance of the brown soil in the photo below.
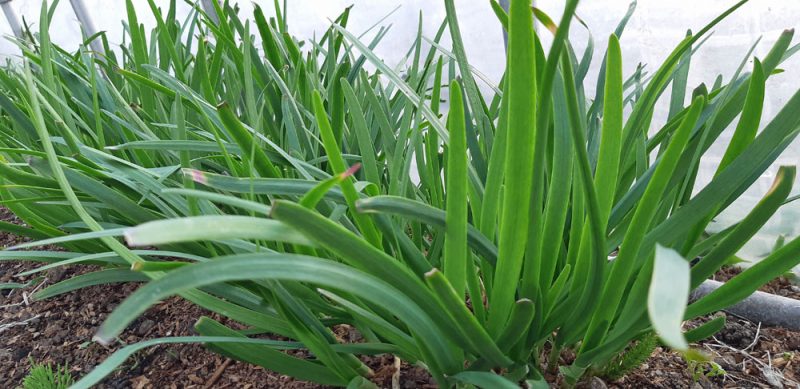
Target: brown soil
x,y
747,355
59,331
751,356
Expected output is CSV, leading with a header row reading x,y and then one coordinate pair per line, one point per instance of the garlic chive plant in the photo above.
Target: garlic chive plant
x,y
268,180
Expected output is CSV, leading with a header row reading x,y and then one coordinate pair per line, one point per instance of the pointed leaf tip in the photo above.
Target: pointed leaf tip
x,y
351,170
432,272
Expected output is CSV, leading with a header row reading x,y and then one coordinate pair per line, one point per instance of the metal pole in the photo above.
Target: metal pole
x,y
86,24
11,16
504,4
208,7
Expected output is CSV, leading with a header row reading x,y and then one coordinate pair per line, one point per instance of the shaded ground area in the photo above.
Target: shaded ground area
x,y
744,356
59,330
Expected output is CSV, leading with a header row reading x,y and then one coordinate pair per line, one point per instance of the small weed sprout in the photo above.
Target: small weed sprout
x,y
46,376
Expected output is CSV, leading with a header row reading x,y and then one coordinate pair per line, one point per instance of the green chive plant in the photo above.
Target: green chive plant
x,y
268,180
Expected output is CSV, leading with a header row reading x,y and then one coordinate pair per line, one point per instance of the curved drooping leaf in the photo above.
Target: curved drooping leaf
x,y
284,267
416,210
211,227
264,355
112,258
70,238
669,293
102,277
118,358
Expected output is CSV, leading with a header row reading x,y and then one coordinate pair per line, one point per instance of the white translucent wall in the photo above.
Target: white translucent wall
x,y
654,30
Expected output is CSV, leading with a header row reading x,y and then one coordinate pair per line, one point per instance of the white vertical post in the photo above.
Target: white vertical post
x,y
208,7
86,24
505,5
11,16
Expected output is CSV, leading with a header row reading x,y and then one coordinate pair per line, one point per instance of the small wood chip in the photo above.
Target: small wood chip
x,y
218,373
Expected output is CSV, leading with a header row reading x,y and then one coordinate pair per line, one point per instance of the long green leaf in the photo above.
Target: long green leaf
x,y
282,267
333,148
212,228
518,163
456,258
102,277
623,266
416,210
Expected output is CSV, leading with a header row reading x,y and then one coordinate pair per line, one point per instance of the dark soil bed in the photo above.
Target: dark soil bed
x,y
59,330
744,355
